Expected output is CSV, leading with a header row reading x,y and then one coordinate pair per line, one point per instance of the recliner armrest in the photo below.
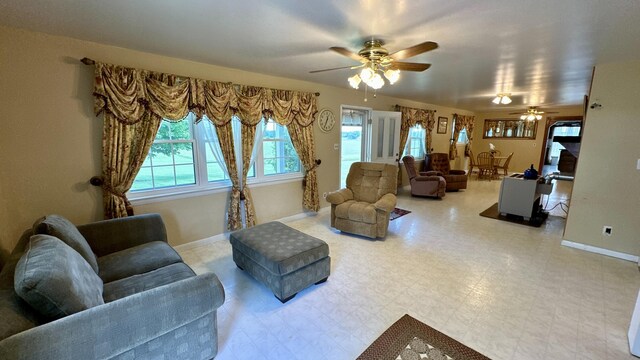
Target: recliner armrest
x,y
109,236
339,196
429,178
108,330
386,203
457,172
431,173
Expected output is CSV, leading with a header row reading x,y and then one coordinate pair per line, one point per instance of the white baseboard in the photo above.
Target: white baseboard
x,y
601,251
225,235
202,242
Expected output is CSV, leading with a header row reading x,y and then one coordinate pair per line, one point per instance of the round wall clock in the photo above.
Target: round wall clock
x,y
326,120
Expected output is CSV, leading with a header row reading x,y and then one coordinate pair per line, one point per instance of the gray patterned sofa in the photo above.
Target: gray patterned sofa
x,y
112,289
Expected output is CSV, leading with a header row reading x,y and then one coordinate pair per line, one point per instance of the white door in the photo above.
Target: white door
x,y
385,136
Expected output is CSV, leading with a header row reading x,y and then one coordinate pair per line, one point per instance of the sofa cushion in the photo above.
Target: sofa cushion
x,y
55,280
136,260
137,283
356,211
16,314
63,229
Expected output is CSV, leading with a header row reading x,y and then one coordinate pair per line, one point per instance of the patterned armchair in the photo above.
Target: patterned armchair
x,y
421,184
364,206
438,164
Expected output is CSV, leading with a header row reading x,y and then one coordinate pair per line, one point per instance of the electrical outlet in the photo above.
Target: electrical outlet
x,y
606,230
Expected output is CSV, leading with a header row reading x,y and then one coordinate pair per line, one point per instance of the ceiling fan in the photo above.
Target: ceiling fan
x,y
532,113
374,58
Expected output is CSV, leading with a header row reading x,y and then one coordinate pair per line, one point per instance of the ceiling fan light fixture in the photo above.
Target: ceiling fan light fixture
x,y
392,75
376,81
523,117
354,81
366,74
538,117
503,99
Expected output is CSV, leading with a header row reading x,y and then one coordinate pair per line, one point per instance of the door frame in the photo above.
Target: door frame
x,y
551,120
366,135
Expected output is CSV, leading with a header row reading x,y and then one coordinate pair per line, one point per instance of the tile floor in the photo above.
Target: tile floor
x,y
506,290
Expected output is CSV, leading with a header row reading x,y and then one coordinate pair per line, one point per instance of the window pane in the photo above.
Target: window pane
x,y
181,130
163,176
164,133
161,154
278,153
215,172
143,180
183,153
185,175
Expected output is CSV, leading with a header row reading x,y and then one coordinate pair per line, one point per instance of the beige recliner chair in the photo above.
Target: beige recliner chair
x,y
364,206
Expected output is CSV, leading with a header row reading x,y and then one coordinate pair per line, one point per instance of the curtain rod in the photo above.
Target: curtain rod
x,y
87,61
406,106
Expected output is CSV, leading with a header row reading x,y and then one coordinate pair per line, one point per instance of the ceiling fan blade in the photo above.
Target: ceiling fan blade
x,y
338,68
348,53
414,50
406,66
517,113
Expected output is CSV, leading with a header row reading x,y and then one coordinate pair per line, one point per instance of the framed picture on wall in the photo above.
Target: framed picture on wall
x,y
443,121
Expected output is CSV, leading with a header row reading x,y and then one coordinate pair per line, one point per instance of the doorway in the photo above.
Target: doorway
x,y
561,145
354,138
367,135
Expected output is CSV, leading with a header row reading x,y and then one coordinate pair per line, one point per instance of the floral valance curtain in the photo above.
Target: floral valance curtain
x,y
134,102
461,122
412,117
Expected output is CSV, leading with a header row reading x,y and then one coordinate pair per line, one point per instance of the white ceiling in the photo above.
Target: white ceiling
x,y
541,51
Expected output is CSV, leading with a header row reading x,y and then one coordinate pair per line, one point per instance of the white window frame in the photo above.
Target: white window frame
x,y
202,185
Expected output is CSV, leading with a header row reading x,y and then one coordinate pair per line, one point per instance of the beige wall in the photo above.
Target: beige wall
x,y
606,190
50,140
525,152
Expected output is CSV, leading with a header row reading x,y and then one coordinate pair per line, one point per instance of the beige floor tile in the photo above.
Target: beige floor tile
x,y
507,290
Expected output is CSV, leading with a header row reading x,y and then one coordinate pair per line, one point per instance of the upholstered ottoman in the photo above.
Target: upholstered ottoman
x,y
284,259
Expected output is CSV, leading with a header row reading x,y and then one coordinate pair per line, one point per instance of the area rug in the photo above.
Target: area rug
x,y
409,339
493,213
397,212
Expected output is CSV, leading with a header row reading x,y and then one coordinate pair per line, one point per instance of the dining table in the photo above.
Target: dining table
x,y
495,162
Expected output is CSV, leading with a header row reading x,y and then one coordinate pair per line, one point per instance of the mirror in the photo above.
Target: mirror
x,y
509,129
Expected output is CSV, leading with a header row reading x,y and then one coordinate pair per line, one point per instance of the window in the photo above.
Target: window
x,y
509,129
186,157
278,157
171,160
415,142
462,137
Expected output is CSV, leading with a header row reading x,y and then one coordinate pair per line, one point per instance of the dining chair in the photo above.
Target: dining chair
x,y
505,166
485,165
472,163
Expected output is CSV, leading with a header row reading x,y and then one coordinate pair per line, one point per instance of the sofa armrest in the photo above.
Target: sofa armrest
x,y
339,196
386,203
457,172
108,330
109,236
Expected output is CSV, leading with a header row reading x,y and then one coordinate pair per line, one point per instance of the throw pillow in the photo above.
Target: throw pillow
x,y
63,229
55,280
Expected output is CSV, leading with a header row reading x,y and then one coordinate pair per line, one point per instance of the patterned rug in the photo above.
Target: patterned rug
x,y
397,212
409,339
